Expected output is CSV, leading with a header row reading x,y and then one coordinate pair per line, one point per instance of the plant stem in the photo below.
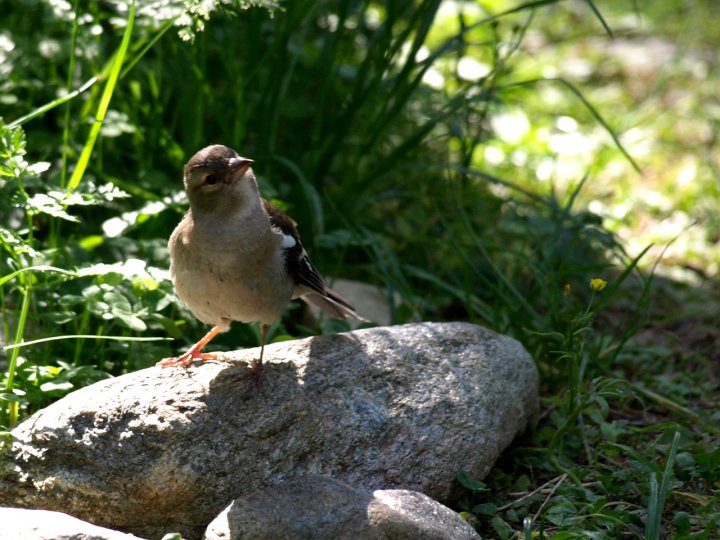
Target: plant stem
x,y
14,353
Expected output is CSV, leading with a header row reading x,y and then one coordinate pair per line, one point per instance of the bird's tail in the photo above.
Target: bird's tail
x,y
333,304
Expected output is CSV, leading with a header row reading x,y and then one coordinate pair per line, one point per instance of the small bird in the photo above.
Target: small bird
x,y
236,257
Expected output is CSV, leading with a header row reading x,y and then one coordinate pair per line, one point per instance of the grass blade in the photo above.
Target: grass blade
x,y
658,494
87,150
55,103
13,407
82,336
40,268
597,13
593,111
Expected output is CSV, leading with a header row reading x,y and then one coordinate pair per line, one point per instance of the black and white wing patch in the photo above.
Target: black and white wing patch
x,y
297,262
301,268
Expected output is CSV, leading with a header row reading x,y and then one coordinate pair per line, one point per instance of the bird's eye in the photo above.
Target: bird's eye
x,y
212,179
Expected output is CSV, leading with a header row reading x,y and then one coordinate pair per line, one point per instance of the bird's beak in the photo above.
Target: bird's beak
x,y
239,166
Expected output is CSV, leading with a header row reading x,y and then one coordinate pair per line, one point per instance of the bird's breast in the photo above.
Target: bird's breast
x,y
229,276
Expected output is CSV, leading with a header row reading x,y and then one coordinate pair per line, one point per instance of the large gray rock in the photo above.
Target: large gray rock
x,y
320,508
22,524
163,450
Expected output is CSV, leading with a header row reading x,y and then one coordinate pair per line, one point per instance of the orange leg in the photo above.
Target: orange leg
x,y
193,353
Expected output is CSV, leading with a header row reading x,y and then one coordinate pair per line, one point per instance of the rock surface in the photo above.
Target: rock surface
x,y
165,450
22,524
320,508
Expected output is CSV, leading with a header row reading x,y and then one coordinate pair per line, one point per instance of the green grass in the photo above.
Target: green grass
x,y
493,196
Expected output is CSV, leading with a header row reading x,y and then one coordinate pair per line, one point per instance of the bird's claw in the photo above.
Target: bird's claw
x,y
183,361
186,359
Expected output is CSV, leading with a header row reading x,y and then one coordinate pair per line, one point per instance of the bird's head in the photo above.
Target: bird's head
x,y
219,181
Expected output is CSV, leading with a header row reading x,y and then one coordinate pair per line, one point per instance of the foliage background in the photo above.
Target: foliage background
x,y
480,160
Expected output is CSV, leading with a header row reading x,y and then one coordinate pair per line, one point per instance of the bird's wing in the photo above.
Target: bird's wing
x,y
308,280
297,262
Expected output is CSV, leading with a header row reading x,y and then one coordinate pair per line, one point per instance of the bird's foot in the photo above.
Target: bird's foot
x,y
188,358
194,353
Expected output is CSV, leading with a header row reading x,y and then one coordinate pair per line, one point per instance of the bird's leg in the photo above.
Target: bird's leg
x,y
193,353
257,365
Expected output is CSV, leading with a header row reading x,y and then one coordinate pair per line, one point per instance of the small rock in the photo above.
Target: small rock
x,y
162,450
320,508
22,524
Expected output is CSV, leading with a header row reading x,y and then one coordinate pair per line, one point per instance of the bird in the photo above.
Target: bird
x,y
235,256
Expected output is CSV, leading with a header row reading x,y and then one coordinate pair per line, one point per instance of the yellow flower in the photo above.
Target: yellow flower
x,y
597,284
567,289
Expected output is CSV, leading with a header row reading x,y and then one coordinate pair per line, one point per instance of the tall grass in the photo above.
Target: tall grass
x,y
373,180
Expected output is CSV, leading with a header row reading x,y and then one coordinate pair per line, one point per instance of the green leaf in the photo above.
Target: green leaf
x,y
69,300
502,529
91,242
560,512
475,485
118,301
9,396
42,203
681,520
131,321
487,509
59,317
56,386
98,308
